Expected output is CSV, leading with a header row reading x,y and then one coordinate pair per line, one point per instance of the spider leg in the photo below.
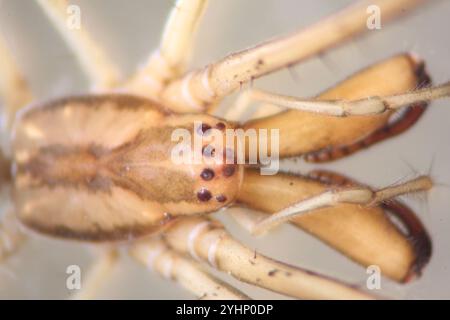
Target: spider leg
x,y
247,219
268,104
15,92
414,229
330,132
360,195
199,88
13,87
240,109
364,234
172,56
98,273
156,255
359,107
12,236
208,241
94,61
391,129
414,101
250,219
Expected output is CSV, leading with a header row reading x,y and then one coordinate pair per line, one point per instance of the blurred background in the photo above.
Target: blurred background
x,y
129,30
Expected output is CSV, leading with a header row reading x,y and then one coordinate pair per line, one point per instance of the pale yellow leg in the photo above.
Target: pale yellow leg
x,y
15,93
344,108
270,103
11,235
99,272
239,111
156,255
169,61
206,240
196,90
246,218
356,195
14,89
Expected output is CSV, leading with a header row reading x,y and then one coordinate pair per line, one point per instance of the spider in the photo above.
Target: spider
x,y
96,167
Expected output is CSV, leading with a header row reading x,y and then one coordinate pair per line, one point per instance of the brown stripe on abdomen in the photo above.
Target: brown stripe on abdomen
x,y
97,170
67,166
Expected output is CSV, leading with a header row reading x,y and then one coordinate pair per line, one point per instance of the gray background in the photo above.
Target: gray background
x,y
130,29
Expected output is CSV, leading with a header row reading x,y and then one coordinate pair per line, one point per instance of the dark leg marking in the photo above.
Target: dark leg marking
x,y
414,229
393,128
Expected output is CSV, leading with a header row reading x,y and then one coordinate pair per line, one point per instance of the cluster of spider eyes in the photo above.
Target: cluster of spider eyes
x,y
208,174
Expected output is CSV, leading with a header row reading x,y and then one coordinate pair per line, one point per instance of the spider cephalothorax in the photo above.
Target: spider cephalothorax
x,y
62,153
100,167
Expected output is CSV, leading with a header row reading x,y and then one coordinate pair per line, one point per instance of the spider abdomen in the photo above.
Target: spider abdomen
x,y
101,168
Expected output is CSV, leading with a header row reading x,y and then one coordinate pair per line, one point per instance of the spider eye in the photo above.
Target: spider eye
x,y
209,151
204,195
207,174
203,129
229,170
221,198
